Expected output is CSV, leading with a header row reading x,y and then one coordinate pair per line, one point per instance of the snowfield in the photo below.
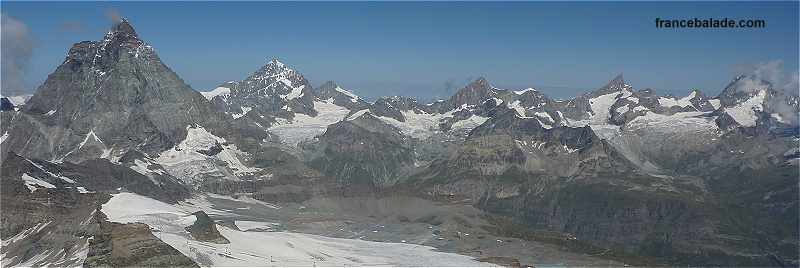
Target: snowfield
x,y
219,91
305,127
254,248
745,112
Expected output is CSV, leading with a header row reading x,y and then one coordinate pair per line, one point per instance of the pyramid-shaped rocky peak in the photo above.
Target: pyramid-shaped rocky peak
x,y
276,70
474,93
616,84
115,91
274,89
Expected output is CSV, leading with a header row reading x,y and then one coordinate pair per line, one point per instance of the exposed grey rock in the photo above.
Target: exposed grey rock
x,y
204,229
340,96
130,245
384,107
362,151
6,105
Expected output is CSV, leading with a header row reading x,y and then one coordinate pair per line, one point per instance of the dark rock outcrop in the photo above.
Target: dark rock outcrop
x,y
205,229
131,245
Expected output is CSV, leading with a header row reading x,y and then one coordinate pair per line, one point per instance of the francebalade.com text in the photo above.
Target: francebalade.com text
x,y
710,23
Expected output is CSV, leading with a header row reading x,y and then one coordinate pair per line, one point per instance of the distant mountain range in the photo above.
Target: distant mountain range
x,y
681,180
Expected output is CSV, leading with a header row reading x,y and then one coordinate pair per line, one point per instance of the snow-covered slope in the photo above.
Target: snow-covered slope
x,y
219,91
745,113
304,127
252,248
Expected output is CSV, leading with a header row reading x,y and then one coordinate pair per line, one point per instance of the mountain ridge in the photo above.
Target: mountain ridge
x,y
624,170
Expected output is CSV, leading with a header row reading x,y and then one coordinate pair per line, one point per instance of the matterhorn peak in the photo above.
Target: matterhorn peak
x,y
122,30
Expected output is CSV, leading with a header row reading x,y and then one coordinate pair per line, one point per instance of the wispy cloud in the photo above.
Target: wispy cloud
x,y
17,49
772,74
114,15
766,74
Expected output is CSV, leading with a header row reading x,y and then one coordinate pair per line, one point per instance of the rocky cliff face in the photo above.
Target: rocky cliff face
x,y
205,229
362,151
109,97
129,245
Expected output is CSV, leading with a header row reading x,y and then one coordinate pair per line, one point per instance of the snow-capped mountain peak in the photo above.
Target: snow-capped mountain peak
x,y
277,70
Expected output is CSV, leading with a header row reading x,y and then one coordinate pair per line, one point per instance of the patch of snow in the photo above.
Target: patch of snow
x,y
714,103
672,102
32,182
286,82
40,167
219,91
254,225
106,152
51,112
304,127
417,125
357,114
520,92
245,199
517,107
544,115
497,101
622,109
777,117
468,124
745,112
83,190
296,92
353,97
245,110
18,100
142,167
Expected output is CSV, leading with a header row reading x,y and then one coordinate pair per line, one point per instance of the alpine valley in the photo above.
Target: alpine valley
x,y
116,161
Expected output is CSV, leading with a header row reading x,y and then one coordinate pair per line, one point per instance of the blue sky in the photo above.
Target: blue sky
x,y
417,48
